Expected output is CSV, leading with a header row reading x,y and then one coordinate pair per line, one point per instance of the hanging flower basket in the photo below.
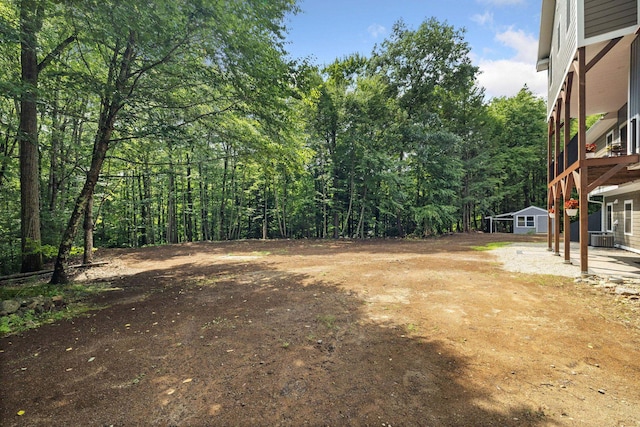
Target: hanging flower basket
x,y
552,213
571,207
591,147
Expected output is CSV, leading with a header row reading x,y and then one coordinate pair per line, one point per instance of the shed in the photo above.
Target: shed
x,y
528,220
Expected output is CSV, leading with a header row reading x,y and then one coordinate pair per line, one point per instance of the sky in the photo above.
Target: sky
x,y
502,34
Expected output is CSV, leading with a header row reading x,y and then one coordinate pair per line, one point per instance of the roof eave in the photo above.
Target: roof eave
x,y
542,64
546,32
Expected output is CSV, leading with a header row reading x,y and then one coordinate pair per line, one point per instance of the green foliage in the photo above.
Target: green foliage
x,y
217,135
15,323
73,295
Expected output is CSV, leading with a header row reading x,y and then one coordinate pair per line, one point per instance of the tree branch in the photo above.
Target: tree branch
x,y
55,52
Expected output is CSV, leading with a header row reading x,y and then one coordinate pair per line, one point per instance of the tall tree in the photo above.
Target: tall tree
x,y
31,19
145,50
520,134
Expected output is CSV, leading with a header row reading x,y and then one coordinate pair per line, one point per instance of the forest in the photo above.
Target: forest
x,y
125,124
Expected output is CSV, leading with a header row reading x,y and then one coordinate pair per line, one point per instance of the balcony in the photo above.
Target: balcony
x,y
608,166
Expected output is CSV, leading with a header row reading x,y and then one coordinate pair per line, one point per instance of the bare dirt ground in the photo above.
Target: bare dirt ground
x,y
290,333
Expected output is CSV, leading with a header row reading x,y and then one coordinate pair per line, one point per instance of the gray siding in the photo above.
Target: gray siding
x,y
634,96
537,221
566,28
620,238
601,17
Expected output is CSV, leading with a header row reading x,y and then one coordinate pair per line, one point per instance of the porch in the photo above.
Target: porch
x,y
535,258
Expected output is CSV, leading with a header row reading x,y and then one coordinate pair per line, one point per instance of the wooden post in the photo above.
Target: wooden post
x,y
582,140
550,176
556,229
567,139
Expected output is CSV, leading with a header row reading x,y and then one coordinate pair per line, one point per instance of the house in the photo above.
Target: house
x,y
591,53
525,221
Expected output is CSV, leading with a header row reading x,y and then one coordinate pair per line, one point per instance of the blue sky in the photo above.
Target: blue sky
x,y
503,34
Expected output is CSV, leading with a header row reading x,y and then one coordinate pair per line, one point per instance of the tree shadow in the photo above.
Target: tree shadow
x,y
239,344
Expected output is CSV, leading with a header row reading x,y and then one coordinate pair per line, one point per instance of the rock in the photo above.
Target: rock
x,y
9,306
36,304
626,291
616,280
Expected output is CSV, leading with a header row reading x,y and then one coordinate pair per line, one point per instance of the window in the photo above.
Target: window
x,y
558,37
568,14
608,220
526,221
634,136
623,136
610,139
628,217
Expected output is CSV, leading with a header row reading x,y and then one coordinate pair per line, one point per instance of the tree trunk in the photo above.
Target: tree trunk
x,y
172,222
265,220
99,151
8,145
360,226
350,208
149,235
56,172
28,136
204,205
223,194
88,232
108,113
189,208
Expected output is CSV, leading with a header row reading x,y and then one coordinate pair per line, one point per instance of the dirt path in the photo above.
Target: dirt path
x,y
380,333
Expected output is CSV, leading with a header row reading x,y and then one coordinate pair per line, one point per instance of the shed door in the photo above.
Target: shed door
x,y
541,224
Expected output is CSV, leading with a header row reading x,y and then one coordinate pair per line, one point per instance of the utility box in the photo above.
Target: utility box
x,y
602,240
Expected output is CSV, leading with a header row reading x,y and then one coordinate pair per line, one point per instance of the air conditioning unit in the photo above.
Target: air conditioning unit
x,y
602,240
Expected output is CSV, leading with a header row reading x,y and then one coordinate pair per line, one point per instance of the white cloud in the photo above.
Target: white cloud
x,y
376,30
505,77
526,45
484,19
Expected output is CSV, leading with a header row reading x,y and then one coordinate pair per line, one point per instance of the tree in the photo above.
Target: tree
x,y
144,50
31,20
520,134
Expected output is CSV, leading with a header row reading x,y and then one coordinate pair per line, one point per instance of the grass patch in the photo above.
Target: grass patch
x,y
328,320
71,291
72,296
29,319
490,246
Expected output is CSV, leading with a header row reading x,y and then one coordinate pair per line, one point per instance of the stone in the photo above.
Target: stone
x,y
626,291
9,306
616,280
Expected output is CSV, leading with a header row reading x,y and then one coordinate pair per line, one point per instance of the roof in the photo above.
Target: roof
x,y
546,34
513,214
532,207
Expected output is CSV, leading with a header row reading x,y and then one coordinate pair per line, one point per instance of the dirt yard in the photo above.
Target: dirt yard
x,y
363,333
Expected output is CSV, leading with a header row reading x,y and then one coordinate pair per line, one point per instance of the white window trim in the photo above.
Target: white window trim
x,y
630,232
524,221
608,219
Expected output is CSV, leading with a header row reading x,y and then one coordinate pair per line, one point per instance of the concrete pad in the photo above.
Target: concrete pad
x,y
535,258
